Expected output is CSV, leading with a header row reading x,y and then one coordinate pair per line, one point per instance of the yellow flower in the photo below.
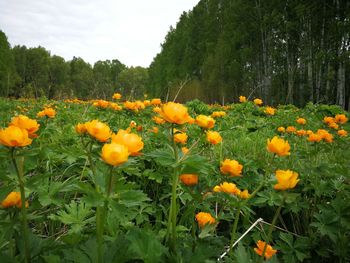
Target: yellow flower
x,y
217,114
115,106
154,130
175,113
157,109
229,188
281,129
130,105
98,130
131,140
117,96
49,112
231,167
242,99
300,132
158,120
205,122
328,120
26,123
204,218
333,125
270,111
342,133
325,135
278,146
114,153
156,101
286,179
180,137
301,121
269,252
341,118
13,199
213,137
184,150
258,102
314,137
13,136
101,104
244,194
291,129
80,128
147,103
189,179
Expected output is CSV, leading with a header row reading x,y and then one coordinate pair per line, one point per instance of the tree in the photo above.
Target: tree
x,y
133,82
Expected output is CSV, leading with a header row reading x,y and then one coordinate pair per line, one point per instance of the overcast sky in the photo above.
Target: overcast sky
x,y
128,30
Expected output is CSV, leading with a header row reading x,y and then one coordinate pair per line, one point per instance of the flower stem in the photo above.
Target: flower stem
x,y
24,222
234,228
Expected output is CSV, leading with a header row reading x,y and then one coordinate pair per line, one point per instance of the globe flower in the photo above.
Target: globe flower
x,y
26,123
101,104
154,130
300,132
301,121
14,136
278,146
156,101
13,199
258,102
328,120
270,111
180,137
49,112
98,130
157,109
340,118
189,179
80,128
242,99
185,150
269,251
325,135
158,120
342,133
281,129
115,106
117,96
286,179
231,167
175,113
291,129
205,122
204,218
244,194
314,137
218,114
333,125
114,154
229,188
213,137
132,141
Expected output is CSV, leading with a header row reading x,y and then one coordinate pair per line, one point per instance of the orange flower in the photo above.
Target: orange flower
x,y
205,122
80,128
117,96
213,137
154,130
217,114
204,218
242,99
180,137
270,111
13,199
287,179
281,129
175,113
115,106
26,123
147,103
231,167
114,154
333,125
314,137
325,135
291,129
269,251
229,188
13,136
278,146
189,179
156,101
258,102
98,130
328,120
49,112
300,132
342,133
184,150
244,194
158,120
157,109
131,140
301,121
341,118
101,104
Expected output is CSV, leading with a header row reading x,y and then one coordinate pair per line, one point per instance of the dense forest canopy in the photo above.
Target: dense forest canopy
x,y
290,51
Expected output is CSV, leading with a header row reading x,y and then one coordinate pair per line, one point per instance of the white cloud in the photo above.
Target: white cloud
x,y
130,31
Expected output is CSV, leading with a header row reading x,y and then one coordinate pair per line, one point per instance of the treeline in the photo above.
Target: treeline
x,y
291,51
33,72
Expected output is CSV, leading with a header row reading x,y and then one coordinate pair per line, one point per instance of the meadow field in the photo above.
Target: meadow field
x,y
149,181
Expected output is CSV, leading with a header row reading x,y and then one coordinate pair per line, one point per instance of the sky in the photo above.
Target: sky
x,y
128,30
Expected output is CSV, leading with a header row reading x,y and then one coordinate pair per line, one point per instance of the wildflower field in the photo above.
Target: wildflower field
x,y
146,181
